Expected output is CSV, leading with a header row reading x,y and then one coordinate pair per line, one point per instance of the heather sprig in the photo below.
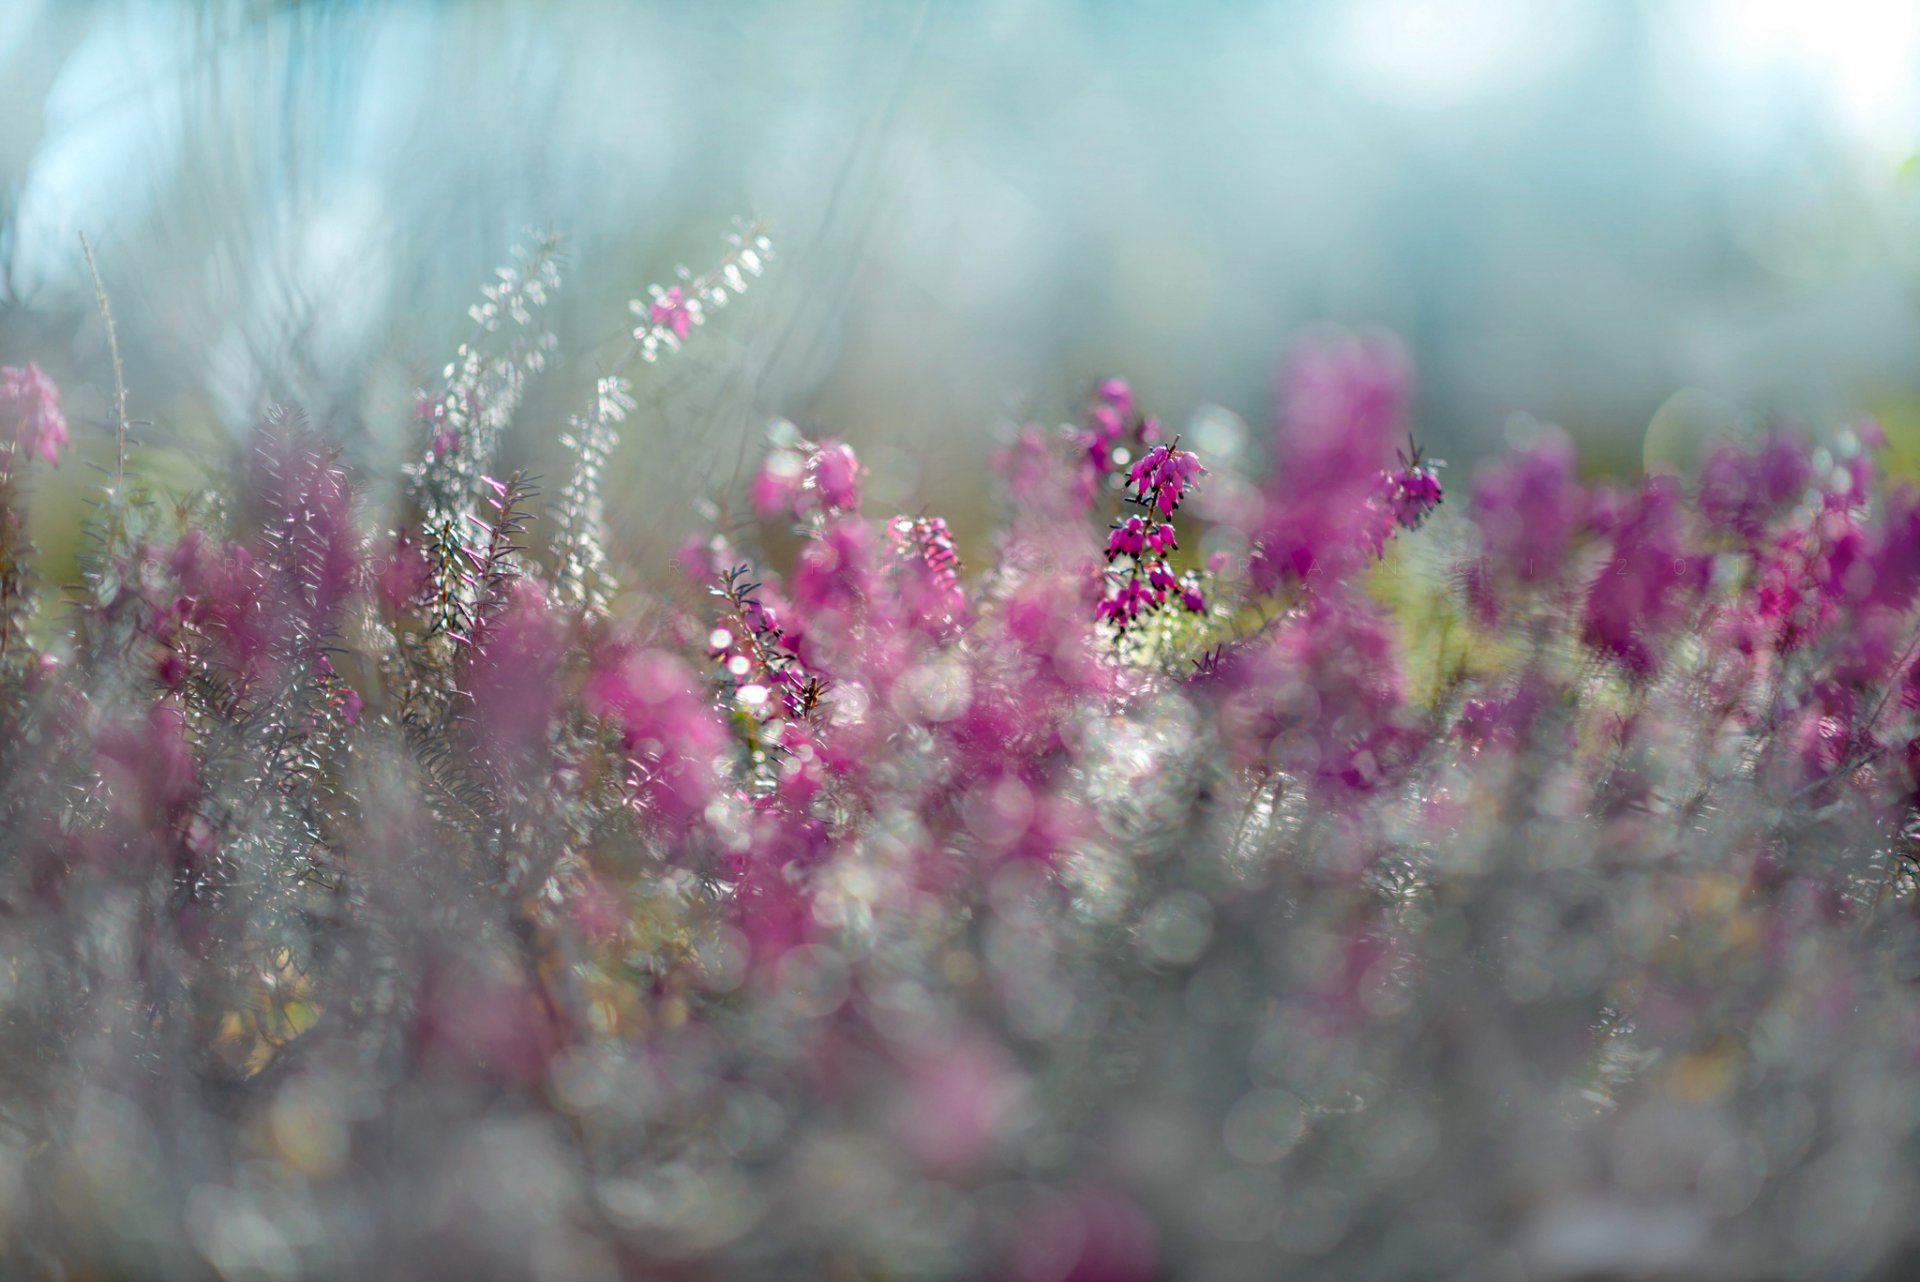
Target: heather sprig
x,y
582,573
1408,494
670,312
481,387
580,554
1139,579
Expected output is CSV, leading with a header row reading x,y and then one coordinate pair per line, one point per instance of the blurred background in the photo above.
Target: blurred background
x,y
1641,220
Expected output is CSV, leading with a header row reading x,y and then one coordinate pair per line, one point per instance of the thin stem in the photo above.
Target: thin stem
x,y
119,373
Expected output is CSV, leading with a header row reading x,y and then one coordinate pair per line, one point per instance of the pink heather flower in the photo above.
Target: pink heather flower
x,y
1321,697
1786,605
775,488
446,438
1191,597
513,677
836,572
1529,507
1039,482
1125,601
1650,584
1741,489
400,575
1410,492
1339,387
1110,427
1606,505
1161,477
30,414
667,725
224,594
836,475
1128,538
1107,417
671,310
1343,404
927,570
1892,575
299,489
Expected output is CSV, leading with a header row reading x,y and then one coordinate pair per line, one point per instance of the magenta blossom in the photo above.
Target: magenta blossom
x,y
30,414
1741,489
1161,478
1649,586
665,725
836,473
671,309
1343,403
1410,492
927,568
512,677
1530,507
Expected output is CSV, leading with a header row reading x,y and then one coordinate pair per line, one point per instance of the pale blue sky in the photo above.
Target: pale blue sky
x,y
1574,209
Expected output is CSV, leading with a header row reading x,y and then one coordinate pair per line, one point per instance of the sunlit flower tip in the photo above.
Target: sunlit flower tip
x,y
497,487
671,309
1162,476
836,475
30,411
776,484
1411,493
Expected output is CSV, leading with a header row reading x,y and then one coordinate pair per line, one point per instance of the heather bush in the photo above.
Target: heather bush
x,y
1255,869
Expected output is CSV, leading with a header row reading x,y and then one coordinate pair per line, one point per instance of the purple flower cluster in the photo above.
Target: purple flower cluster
x,y
30,417
1528,887
1139,579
